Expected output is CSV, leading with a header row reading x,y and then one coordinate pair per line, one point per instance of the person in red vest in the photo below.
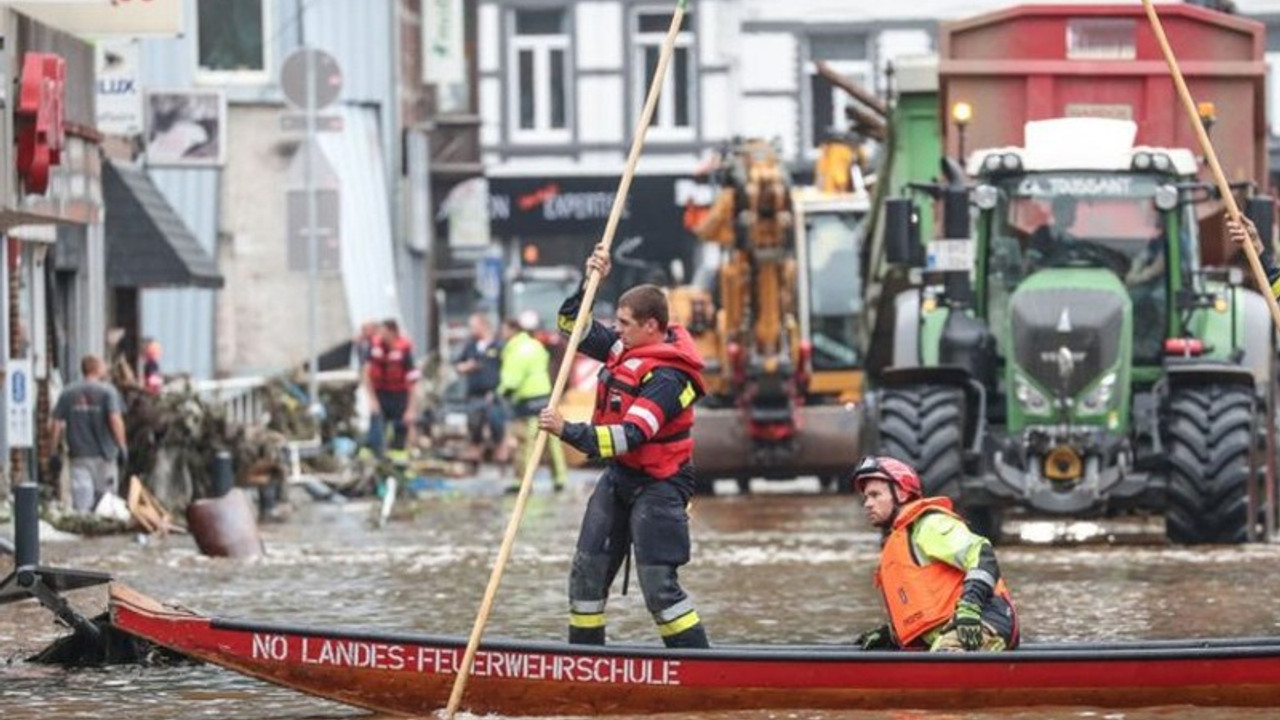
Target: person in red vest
x,y
652,376
940,581
389,376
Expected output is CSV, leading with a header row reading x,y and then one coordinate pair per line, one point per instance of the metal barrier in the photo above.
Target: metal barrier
x,y
245,402
244,399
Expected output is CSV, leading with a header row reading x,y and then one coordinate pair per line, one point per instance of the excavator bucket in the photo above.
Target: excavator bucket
x,y
827,443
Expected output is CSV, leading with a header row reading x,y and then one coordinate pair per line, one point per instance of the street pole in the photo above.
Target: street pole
x,y
313,249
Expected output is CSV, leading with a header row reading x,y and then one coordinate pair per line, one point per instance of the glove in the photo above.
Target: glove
x,y
880,638
55,465
968,625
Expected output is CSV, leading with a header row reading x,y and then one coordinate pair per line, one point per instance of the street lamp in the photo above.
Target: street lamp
x,y
961,114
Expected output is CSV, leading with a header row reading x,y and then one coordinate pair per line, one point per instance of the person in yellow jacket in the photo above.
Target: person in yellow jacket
x,y
525,383
940,580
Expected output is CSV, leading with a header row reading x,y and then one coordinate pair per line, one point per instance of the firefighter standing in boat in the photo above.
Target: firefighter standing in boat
x,y
643,416
941,583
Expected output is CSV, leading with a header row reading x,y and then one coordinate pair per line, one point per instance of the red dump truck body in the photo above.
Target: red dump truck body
x,y
1045,61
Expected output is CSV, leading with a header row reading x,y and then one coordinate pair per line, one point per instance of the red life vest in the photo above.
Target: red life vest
x,y
918,597
670,445
389,367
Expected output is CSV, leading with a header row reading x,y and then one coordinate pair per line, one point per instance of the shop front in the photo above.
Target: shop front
x,y
545,227
53,264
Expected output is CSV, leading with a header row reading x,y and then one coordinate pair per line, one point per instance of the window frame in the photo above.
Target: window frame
x,y
862,71
205,76
663,126
542,47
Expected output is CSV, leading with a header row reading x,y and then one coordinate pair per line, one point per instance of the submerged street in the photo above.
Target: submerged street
x,y
784,565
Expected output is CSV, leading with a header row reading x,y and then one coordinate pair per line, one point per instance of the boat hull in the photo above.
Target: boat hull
x,y
413,674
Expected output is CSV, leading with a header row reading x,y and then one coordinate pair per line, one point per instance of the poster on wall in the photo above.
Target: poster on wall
x,y
119,105
186,127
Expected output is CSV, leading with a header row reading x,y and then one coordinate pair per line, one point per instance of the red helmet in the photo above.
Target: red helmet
x,y
898,474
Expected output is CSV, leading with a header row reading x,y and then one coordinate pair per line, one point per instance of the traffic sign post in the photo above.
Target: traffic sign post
x,y
311,79
327,228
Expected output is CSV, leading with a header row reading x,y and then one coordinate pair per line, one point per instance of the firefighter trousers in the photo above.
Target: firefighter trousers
x,y
626,509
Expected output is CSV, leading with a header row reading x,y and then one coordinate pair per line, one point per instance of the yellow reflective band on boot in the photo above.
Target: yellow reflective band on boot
x,y
605,440
580,620
1275,288
679,625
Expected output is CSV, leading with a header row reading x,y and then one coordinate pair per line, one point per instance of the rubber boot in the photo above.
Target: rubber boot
x,y
694,637
589,636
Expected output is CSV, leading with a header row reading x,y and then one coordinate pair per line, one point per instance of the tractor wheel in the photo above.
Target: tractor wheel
x,y
1209,438
924,427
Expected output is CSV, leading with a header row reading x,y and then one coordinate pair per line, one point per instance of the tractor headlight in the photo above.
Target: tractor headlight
x,y
986,197
1032,400
1096,400
1166,197
991,163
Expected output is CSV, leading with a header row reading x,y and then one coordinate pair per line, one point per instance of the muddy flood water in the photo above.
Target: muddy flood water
x,y
783,565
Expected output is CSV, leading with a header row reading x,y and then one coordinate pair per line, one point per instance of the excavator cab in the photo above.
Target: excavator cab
x,y
783,360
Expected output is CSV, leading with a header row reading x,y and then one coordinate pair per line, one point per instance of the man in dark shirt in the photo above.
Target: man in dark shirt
x,y
481,363
92,414
641,424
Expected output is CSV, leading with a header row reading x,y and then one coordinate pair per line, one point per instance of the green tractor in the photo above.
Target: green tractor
x,y
1062,351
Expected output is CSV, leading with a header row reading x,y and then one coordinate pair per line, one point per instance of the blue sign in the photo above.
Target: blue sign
x,y
19,387
489,278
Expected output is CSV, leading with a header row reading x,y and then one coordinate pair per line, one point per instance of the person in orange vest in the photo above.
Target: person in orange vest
x,y
389,376
651,378
941,584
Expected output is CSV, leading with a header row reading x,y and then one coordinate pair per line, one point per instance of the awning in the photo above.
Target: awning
x,y
148,245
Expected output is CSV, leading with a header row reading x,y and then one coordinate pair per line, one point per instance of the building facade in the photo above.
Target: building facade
x,y
237,198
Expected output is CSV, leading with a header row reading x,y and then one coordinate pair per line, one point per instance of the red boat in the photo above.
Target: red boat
x,y
413,674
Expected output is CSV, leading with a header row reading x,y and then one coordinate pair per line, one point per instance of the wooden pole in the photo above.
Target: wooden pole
x,y
562,377
1255,264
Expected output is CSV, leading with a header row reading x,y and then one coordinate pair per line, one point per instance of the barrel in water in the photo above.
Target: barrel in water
x,y
225,526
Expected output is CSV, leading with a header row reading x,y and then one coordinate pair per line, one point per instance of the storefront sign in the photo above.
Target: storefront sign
x,y
119,100
39,123
443,57
563,217
118,17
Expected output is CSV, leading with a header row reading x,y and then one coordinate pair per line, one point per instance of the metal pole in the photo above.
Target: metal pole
x,y
313,250
6,476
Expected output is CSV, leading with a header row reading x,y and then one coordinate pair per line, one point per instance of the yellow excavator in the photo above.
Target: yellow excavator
x,y
776,316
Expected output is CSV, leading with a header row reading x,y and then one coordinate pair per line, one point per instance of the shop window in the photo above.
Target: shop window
x,y
540,65
232,41
674,114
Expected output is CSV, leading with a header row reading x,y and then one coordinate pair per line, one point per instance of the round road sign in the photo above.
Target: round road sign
x,y
293,78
